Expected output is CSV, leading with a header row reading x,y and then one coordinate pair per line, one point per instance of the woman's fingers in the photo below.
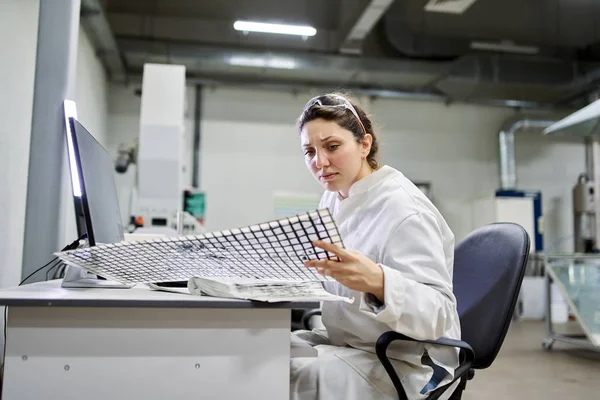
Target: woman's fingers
x,y
320,263
335,269
333,248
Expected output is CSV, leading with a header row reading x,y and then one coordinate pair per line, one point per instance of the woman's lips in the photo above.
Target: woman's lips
x,y
328,176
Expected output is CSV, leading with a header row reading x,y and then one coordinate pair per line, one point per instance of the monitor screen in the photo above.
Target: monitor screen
x,y
95,190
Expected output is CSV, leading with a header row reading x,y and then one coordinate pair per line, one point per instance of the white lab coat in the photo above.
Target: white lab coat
x,y
387,218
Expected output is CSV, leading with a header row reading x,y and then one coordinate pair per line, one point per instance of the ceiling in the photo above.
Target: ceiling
x,y
382,46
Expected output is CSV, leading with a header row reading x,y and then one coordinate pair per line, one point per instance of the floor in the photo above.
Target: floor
x,y
523,370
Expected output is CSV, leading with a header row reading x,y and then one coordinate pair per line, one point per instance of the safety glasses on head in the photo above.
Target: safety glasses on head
x,y
333,101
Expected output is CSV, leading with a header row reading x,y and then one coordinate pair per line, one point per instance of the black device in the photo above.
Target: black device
x,y
93,184
95,197
172,284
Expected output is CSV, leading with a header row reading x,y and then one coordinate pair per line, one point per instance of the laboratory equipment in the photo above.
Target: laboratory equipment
x,y
158,198
523,207
584,216
584,123
160,150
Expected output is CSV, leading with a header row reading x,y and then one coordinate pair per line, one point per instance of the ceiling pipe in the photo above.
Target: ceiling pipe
x,y
506,138
352,43
95,23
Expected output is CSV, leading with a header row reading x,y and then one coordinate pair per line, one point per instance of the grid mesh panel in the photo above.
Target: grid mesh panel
x,y
272,250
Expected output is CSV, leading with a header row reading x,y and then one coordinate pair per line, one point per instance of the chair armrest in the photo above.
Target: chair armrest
x,y
308,315
467,353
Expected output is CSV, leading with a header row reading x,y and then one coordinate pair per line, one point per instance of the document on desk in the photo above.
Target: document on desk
x,y
252,289
263,290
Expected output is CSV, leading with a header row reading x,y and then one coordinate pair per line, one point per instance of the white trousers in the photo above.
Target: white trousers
x,y
329,377
333,374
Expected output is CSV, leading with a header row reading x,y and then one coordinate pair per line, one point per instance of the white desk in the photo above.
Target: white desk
x,y
143,344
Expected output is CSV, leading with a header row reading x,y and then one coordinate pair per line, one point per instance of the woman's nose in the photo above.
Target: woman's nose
x,y
321,160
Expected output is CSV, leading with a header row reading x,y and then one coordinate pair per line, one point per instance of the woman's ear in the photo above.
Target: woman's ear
x,y
366,143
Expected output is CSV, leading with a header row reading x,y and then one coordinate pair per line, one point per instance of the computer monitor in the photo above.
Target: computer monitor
x,y
93,184
94,195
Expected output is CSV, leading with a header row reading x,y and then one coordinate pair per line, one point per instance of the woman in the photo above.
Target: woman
x,y
397,264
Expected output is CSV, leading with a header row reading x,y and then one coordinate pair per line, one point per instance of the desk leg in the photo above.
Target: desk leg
x,y
146,353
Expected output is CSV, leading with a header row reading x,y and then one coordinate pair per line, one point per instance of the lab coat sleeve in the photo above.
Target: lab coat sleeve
x,y
418,299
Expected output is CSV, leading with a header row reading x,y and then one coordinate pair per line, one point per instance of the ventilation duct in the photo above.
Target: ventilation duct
x,y
471,75
283,67
352,44
93,20
506,138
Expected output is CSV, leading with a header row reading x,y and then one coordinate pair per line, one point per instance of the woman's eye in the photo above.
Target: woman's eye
x,y
333,146
308,153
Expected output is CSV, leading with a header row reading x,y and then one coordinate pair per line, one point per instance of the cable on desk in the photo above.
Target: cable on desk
x,y
38,270
71,246
52,272
59,272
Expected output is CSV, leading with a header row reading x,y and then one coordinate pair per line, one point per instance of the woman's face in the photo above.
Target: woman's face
x,y
333,155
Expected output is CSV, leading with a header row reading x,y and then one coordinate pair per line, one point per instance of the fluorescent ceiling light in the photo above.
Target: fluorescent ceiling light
x,y
281,29
505,46
262,62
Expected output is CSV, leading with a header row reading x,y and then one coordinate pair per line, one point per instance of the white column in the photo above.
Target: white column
x,y
48,184
18,42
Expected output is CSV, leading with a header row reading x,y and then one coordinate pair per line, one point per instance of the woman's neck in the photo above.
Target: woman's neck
x,y
365,171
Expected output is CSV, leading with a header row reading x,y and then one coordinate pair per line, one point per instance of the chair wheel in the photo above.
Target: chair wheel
x,y
547,344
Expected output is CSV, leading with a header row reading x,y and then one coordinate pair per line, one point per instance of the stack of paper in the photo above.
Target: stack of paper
x,y
262,290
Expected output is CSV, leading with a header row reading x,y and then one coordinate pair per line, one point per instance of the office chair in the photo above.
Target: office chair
x,y
489,265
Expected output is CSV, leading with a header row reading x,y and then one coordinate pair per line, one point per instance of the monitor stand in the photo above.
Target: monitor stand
x,y
77,277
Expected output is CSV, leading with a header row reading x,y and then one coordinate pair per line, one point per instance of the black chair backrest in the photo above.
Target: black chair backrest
x,y
489,265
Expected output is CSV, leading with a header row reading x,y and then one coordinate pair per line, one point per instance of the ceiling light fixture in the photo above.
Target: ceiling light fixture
x,y
281,29
262,62
505,46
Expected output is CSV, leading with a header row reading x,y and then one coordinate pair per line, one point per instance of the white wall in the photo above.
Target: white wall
x,y
250,149
18,38
91,92
552,165
452,147
456,149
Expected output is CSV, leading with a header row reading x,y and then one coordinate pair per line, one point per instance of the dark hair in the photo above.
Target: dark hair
x,y
343,116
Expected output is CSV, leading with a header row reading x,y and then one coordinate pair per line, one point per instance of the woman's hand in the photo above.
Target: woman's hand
x,y
354,270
